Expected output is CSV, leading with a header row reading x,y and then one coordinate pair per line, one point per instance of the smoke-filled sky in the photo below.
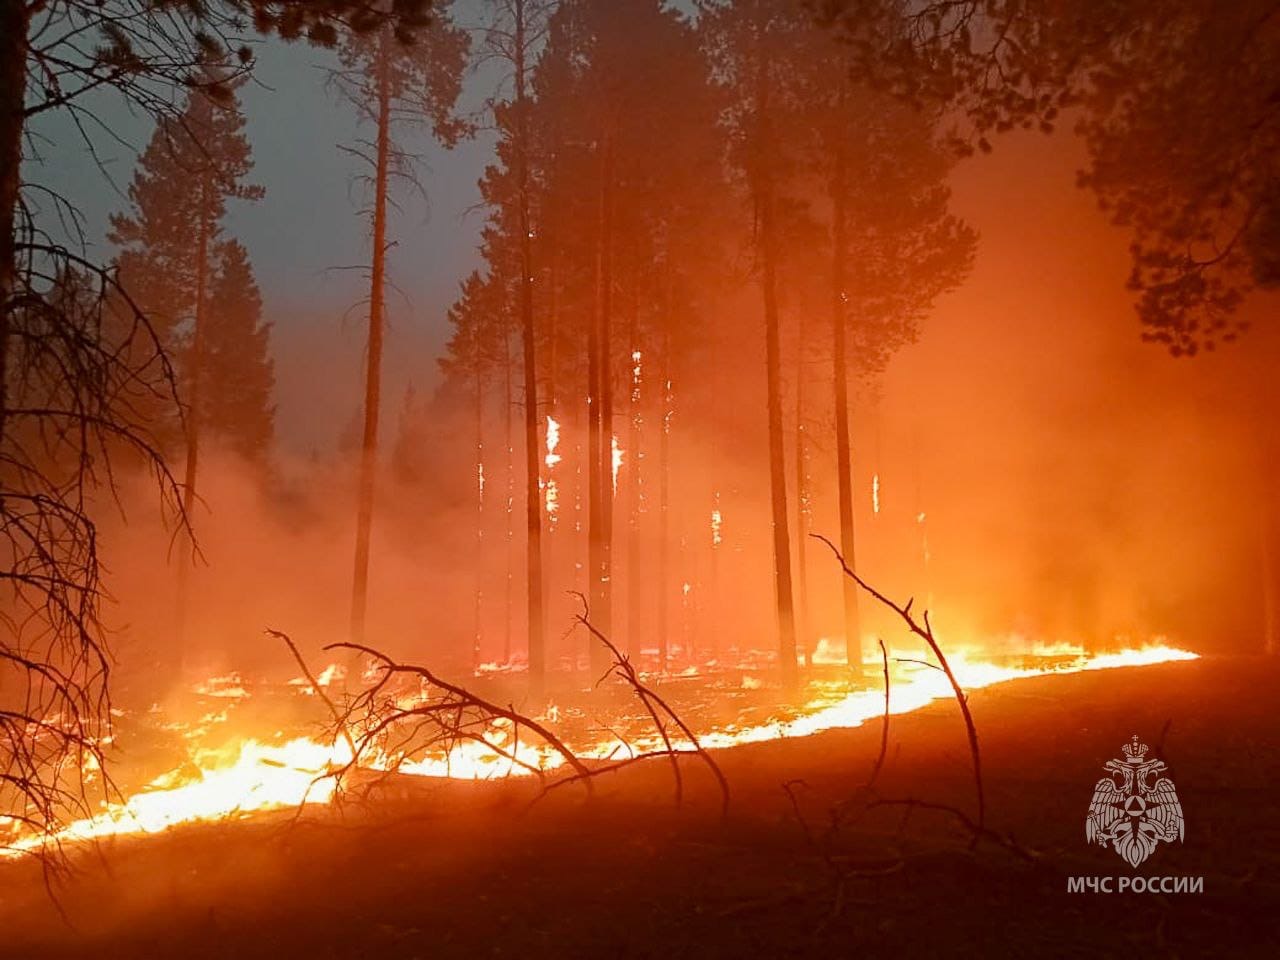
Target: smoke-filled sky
x,y
1052,452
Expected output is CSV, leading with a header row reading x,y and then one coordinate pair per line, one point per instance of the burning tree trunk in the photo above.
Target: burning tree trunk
x,y
840,376
373,360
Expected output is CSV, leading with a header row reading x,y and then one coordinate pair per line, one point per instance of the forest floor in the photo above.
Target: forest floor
x,y
447,869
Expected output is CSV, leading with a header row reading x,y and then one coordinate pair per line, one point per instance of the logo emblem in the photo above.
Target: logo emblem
x,y
1129,811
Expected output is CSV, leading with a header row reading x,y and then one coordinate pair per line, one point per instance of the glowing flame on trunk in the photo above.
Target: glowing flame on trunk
x,y
618,456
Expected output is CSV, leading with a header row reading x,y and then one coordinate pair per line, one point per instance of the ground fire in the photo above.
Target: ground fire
x,y
638,478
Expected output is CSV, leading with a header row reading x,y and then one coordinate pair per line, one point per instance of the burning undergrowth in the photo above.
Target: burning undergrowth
x,y
236,745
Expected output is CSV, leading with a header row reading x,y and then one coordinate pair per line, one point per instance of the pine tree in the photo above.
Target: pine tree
x,y
170,244
391,83
171,252
239,374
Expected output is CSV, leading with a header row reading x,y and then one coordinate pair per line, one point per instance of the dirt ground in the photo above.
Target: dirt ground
x,y
472,870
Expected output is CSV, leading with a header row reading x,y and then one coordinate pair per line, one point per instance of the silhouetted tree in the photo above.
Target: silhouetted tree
x,y
755,46
391,83
894,246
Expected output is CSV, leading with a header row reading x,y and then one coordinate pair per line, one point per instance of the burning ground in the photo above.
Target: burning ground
x,y
436,866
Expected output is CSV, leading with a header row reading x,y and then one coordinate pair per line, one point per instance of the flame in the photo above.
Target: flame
x,y
553,441
618,456
551,490
875,494
250,775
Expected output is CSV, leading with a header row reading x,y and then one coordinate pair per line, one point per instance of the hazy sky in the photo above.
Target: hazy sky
x,y
307,229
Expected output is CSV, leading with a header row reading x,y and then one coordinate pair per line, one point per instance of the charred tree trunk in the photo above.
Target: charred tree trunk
x,y
509,509
373,360
635,479
533,500
777,452
601,484
478,640
15,20
664,493
764,200
840,376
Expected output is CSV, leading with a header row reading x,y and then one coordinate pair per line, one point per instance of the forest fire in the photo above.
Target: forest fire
x,y
736,470
243,776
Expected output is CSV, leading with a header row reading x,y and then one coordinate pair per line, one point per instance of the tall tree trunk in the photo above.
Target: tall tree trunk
x,y
195,375
777,452
664,490
764,199
509,511
373,367
601,484
803,506
635,478
14,22
478,640
533,500
840,376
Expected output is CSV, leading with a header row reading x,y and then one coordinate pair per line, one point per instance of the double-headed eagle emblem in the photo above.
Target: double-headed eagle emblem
x,y
1129,811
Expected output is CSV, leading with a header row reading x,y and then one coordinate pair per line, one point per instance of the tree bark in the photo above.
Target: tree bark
x,y
533,498
840,376
14,23
373,368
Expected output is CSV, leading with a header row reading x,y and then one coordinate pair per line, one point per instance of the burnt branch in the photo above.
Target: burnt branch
x,y
409,714
924,630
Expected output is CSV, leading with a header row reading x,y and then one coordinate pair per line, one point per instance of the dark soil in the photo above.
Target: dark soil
x,y
471,870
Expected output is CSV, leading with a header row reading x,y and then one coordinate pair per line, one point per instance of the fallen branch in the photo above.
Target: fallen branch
x,y
925,632
315,685
458,714
656,708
